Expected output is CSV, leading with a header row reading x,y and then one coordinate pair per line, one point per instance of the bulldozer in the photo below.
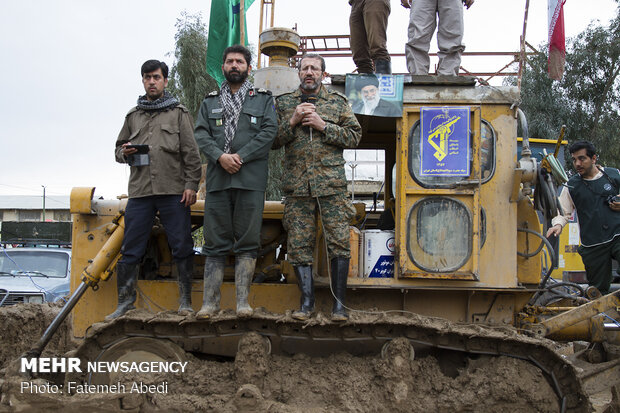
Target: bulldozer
x,y
461,271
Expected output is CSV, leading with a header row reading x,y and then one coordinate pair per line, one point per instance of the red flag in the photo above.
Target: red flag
x,y
557,43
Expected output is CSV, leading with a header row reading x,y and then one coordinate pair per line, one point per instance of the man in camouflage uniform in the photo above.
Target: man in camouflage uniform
x,y
315,124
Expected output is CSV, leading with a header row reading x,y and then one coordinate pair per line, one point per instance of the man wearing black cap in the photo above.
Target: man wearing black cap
x,y
371,103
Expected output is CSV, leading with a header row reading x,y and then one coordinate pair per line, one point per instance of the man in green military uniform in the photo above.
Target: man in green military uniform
x,y
315,125
235,130
591,193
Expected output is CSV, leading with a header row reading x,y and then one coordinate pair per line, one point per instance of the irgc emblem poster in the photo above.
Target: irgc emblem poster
x,y
444,142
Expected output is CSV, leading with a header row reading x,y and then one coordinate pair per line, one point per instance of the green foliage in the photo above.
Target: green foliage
x,y
188,78
586,100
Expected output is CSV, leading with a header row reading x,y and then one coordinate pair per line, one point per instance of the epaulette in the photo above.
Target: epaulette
x,y
183,108
283,95
254,91
213,93
132,110
342,95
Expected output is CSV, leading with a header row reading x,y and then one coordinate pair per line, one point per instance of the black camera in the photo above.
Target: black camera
x,y
613,198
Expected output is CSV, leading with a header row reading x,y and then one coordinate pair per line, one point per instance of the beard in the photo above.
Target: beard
x,y
154,96
370,104
370,101
311,87
235,77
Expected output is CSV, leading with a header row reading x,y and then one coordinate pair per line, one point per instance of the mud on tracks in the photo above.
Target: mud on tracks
x,y
257,381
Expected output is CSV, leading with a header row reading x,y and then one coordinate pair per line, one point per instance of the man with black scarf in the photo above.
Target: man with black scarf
x,y
157,140
235,128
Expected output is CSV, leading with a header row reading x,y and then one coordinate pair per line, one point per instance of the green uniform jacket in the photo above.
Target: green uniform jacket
x,y
316,168
254,136
173,154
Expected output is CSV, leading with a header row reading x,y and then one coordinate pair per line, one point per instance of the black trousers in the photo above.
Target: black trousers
x,y
597,261
139,216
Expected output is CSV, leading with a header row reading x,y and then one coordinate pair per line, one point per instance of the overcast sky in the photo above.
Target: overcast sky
x,y
71,71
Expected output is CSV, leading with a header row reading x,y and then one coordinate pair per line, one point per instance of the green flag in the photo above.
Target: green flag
x,y
224,31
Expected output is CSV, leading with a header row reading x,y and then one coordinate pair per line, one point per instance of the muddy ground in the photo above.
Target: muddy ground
x,y
257,382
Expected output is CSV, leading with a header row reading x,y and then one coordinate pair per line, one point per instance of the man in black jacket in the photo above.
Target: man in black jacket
x,y
593,193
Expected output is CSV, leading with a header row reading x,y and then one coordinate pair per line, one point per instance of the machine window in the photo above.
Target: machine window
x,y
439,234
487,149
487,161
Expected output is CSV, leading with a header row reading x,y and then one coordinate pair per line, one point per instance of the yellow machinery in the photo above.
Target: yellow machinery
x,y
467,249
482,217
569,264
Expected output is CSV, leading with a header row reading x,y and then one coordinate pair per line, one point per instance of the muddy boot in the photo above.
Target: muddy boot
x,y
244,271
213,277
340,272
185,268
383,66
126,277
306,286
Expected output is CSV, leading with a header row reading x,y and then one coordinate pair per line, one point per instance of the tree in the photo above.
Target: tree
x,y
587,99
188,79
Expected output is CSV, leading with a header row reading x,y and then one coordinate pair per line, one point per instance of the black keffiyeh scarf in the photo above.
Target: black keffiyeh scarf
x,y
232,103
167,101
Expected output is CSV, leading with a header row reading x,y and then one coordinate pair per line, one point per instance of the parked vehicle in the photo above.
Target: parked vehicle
x,y
34,275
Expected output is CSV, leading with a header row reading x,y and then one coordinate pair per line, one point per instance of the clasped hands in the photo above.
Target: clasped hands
x,y
305,113
231,162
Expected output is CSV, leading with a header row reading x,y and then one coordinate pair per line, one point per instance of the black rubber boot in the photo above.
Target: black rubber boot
x,y
213,277
244,271
340,272
383,67
305,281
126,277
185,269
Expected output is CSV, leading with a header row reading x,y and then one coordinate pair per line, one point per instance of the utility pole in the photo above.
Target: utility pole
x,y
43,202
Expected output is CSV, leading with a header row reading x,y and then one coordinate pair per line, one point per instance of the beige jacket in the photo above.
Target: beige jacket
x,y
174,157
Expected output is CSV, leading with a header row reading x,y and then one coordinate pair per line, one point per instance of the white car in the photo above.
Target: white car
x,y
34,275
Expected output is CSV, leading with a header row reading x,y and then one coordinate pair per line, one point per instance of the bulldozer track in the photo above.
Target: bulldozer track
x,y
420,331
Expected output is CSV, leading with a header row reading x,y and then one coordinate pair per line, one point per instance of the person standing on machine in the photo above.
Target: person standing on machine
x,y
593,193
368,26
235,129
315,125
157,140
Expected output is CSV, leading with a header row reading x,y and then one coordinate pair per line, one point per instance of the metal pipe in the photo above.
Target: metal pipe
x,y
581,313
49,332
90,277
525,143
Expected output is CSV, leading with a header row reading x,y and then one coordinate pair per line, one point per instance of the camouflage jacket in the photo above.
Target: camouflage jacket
x,y
316,167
